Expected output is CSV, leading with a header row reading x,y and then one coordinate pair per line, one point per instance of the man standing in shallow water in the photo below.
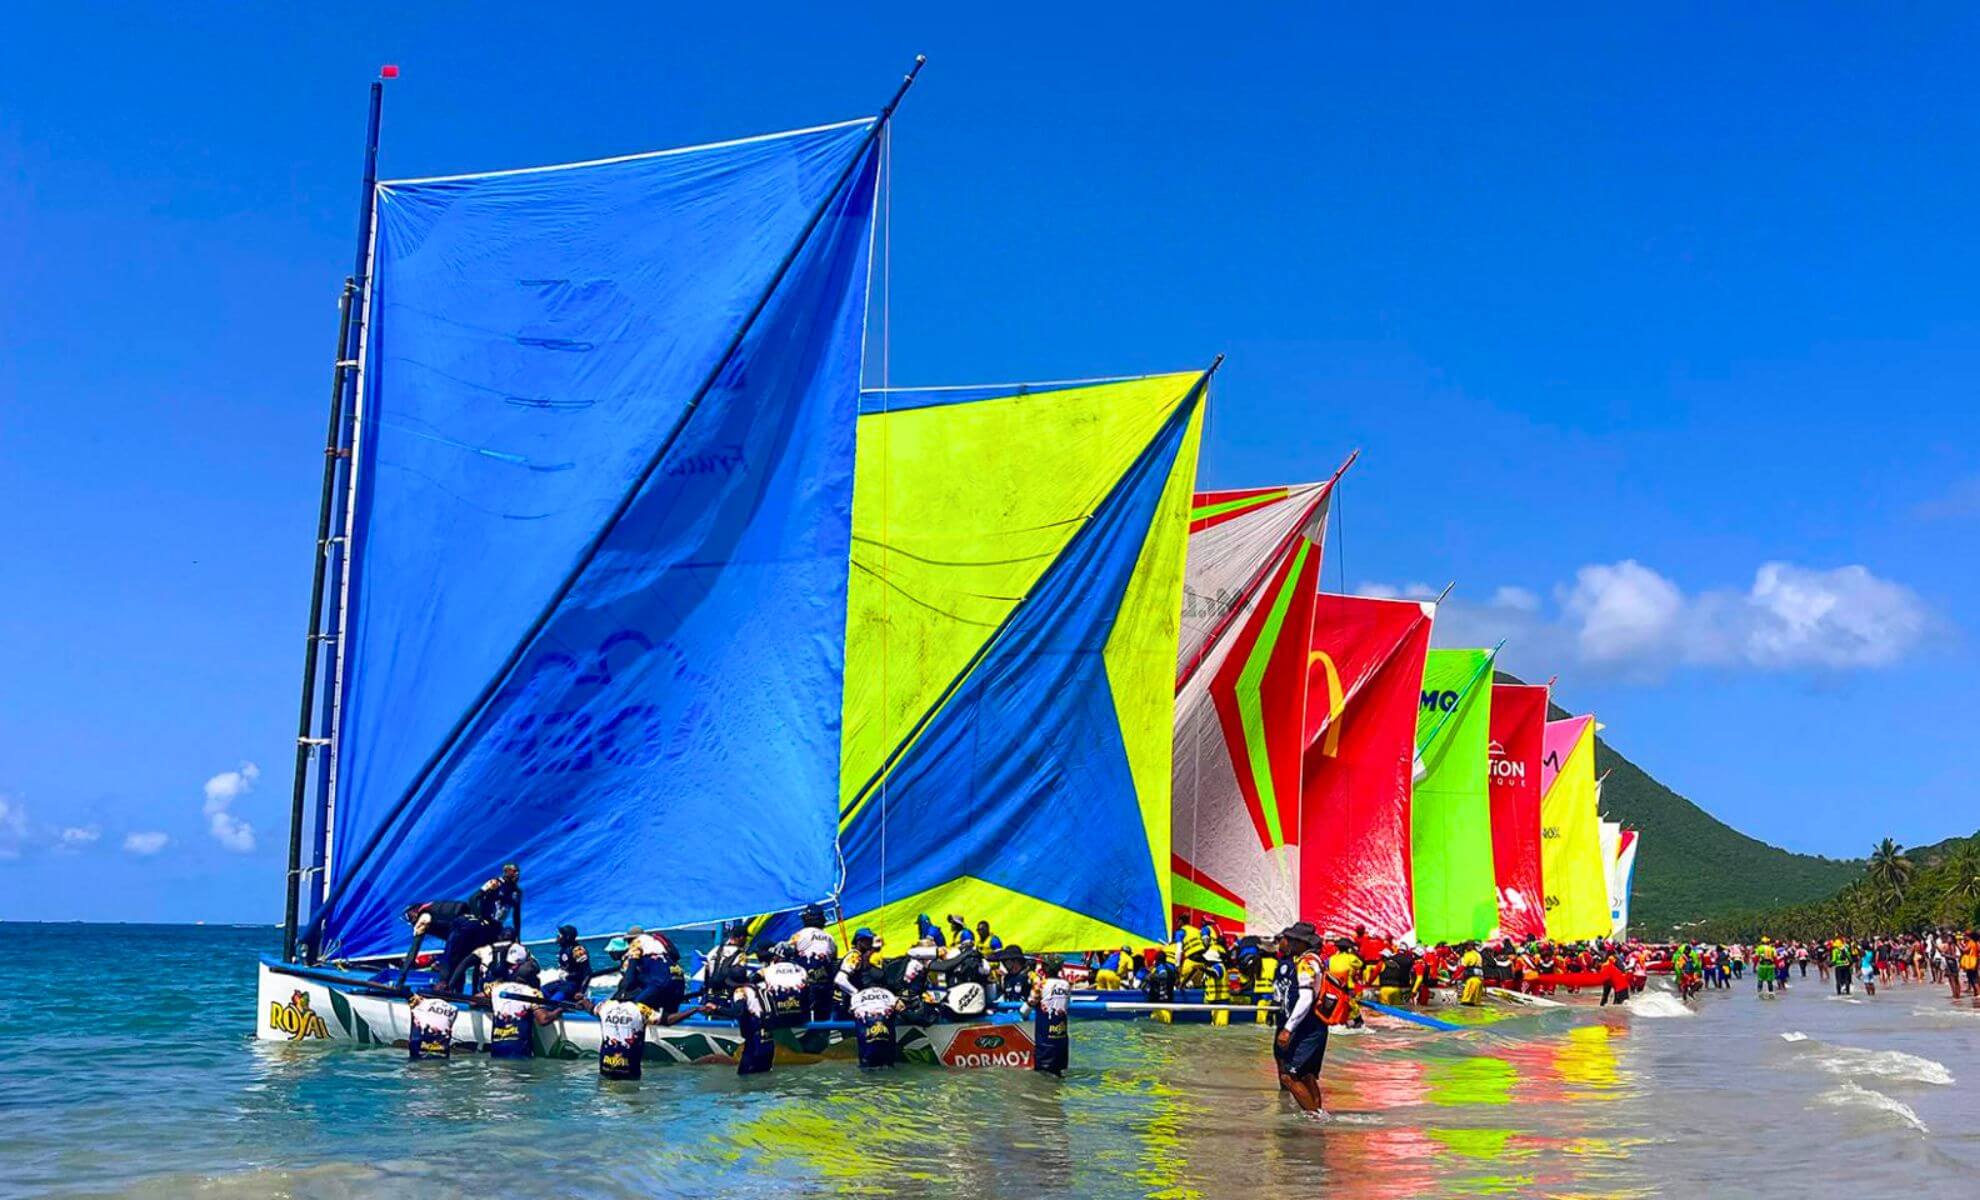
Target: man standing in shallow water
x,y
1301,1044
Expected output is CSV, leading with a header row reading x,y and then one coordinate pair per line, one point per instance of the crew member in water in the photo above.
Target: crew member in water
x,y
1161,985
818,953
1314,1000
861,966
1051,1006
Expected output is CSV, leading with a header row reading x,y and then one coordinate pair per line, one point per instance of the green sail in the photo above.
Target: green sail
x,y
1450,820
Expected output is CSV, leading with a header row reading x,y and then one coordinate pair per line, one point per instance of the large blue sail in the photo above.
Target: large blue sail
x,y
631,688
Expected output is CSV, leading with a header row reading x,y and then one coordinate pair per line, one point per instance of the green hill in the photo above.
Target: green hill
x,y
1694,866
1938,885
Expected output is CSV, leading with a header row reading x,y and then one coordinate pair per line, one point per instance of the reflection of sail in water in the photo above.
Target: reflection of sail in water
x,y
1586,1057
1163,1165
1474,1079
1490,1144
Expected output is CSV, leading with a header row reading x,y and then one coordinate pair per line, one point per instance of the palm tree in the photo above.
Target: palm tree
x,y
1962,895
1890,870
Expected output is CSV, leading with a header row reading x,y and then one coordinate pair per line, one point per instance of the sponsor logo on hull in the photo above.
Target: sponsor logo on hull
x,y
296,1018
1000,1046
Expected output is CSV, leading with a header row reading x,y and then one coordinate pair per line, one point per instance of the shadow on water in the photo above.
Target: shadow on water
x,y
169,1095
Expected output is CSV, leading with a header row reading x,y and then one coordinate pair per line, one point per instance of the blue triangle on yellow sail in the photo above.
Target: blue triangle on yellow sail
x,y
1012,790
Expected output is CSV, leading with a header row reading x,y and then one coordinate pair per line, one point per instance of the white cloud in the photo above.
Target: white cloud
x,y
1960,500
1842,618
1627,620
1391,591
13,827
228,786
1516,598
145,844
221,791
1621,614
231,832
75,837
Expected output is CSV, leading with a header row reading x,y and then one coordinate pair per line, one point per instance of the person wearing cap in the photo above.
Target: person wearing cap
x,y
1051,1007
725,967
514,965
860,968
1161,985
574,962
1765,960
616,948
650,975
818,953
1014,982
1302,1037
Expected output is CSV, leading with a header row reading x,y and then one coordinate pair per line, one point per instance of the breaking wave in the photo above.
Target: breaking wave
x,y
1658,1004
1853,1095
1854,1062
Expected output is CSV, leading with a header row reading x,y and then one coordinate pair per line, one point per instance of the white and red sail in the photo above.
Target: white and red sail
x,y
1248,595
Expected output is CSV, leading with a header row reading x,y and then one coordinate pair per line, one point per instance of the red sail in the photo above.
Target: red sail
x,y
1364,683
1519,731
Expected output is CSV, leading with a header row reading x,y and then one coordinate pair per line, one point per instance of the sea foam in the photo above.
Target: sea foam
x,y
1658,1004
1852,1095
1855,1062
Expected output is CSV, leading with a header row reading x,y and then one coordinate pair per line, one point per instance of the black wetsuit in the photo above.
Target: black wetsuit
x,y
575,962
501,906
461,930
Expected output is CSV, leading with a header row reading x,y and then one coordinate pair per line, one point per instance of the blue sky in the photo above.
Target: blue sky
x,y
1618,309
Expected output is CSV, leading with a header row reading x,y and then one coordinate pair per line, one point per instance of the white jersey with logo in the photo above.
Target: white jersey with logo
x,y
1054,997
785,977
621,1020
814,945
513,999
873,1004
434,1017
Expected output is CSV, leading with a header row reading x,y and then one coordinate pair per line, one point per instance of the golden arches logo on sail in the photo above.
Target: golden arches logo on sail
x,y
1330,744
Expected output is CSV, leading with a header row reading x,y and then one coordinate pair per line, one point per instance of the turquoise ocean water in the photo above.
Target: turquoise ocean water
x,y
128,1067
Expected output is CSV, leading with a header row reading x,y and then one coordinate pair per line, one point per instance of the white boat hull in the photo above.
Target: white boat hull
x,y
305,1007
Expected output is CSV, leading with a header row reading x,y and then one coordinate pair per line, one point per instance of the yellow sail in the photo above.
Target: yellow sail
x,y
1571,866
